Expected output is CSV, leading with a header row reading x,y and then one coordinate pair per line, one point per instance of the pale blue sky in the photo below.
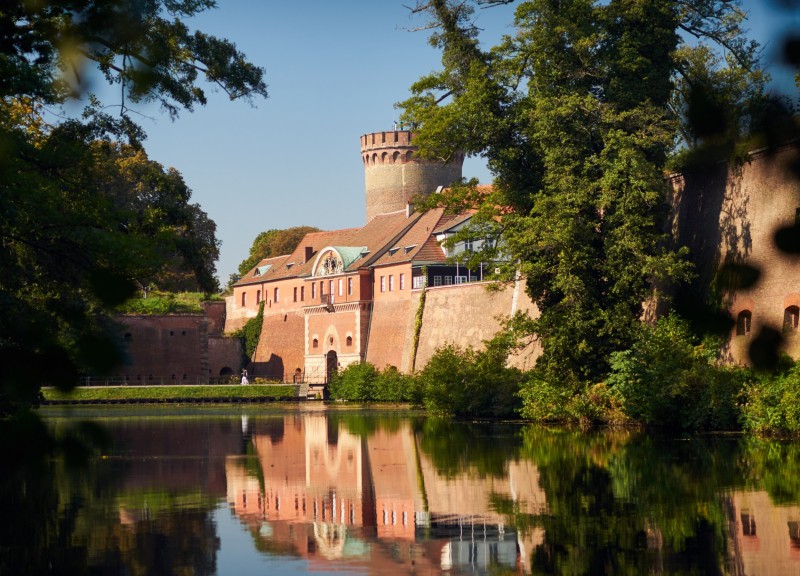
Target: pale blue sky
x,y
334,71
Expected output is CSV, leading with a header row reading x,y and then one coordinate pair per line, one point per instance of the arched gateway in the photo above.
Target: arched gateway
x,y
332,365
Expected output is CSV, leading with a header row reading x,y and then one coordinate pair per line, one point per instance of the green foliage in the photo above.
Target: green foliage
x,y
164,393
392,385
418,319
165,303
146,48
356,383
250,333
667,378
84,217
576,112
544,401
274,243
363,382
469,384
773,403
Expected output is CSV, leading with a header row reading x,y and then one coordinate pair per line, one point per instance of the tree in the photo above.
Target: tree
x,y
576,115
274,243
75,232
156,205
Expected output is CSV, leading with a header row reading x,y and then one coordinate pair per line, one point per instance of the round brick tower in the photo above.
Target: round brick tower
x,y
394,174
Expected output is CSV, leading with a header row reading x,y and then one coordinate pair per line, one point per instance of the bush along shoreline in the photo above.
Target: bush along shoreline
x,y
668,379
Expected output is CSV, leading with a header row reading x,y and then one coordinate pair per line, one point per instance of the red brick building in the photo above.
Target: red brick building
x,y
351,295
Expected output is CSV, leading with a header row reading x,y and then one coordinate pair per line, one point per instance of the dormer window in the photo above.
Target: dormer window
x,y
408,249
394,250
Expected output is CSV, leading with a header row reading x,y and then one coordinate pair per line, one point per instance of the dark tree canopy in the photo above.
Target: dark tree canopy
x,y
577,111
85,216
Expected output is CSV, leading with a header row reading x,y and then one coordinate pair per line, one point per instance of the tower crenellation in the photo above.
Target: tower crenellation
x,y
394,174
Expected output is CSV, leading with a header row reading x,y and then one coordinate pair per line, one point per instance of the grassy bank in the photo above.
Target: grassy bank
x,y
101,394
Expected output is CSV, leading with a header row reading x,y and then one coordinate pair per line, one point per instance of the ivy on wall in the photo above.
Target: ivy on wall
x,y
251,332
418,320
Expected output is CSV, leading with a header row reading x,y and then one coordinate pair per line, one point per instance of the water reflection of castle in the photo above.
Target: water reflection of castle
x,y
326,494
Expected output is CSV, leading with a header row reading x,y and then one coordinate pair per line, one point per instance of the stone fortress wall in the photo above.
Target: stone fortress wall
x,y
730,213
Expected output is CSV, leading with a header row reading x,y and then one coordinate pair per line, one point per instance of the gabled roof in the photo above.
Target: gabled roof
x,y
358,247
418,243
263,271
451,221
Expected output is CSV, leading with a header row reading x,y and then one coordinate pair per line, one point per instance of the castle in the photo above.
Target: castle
x,y
352,295
389,294
355,295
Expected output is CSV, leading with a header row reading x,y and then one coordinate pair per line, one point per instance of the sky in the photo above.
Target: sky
x,y
334,71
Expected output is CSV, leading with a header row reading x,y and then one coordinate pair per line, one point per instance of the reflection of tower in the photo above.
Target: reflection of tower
x,y
394,175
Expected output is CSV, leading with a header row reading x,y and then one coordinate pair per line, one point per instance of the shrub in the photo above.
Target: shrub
x,y
544,401
356,382
466,383
392,385
773,403
668,378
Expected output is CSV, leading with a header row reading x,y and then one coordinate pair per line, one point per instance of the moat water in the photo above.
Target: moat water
x,y
315,489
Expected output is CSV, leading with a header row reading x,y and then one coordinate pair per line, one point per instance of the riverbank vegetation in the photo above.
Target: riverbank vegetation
x,y
86,218
668,379
100,394
579,111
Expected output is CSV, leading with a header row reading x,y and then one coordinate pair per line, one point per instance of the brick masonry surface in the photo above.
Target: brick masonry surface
x,y
730,214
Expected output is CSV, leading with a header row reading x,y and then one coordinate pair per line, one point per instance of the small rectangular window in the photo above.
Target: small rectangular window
x,y
244,298
258,296
383,283
275,295
448,280
437,280
402,281
295,294
349,286
302,293
418,282
341,287
391,282
313,290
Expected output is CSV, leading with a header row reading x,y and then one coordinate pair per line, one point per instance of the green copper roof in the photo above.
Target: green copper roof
x,y
349,254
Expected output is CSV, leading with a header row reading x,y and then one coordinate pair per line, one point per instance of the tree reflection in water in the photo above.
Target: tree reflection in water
x,y
390,493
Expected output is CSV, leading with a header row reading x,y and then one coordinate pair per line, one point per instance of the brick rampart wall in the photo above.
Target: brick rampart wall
x,y
168,349
237,316
281,345
388,332
215,312
224,352
730,214
464,315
